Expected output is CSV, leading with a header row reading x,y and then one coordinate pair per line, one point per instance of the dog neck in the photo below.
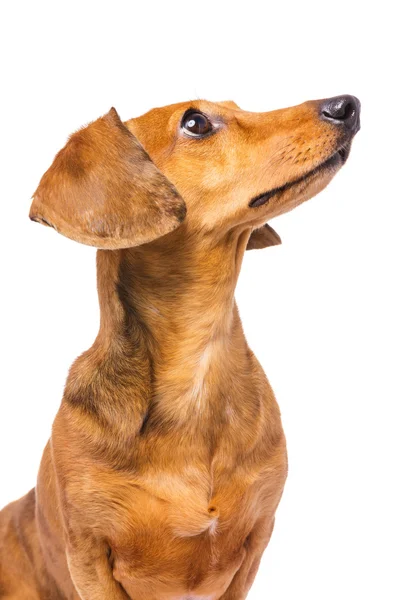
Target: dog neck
x,y
168,317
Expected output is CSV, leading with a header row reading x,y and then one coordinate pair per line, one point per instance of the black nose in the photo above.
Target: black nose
x,y
342,110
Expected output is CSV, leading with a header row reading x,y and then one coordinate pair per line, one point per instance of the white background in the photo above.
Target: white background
x,y
321,311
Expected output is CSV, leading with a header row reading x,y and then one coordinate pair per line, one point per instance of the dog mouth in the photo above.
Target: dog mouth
x,y
334,162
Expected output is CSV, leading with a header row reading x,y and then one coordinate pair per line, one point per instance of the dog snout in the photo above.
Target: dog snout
x,y
343,111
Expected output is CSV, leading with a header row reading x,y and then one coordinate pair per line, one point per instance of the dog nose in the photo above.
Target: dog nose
x,y
342,110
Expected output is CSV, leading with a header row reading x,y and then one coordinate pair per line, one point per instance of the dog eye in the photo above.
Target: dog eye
x,y
196,124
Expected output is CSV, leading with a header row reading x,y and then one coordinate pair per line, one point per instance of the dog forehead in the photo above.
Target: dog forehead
x,y
229,104
165,113
156,129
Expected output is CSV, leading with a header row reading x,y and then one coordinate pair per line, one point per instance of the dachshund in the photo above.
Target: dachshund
x,y
167,458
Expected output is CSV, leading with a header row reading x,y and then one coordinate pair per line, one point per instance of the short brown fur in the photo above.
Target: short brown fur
x,y
167,458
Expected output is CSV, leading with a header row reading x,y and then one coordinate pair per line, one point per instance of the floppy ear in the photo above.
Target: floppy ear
x,y
263,237
103,190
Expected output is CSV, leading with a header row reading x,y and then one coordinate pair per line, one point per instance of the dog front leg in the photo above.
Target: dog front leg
x,y
91,572
255,546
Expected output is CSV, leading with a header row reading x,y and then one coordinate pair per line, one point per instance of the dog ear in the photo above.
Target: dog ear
x,y
263,237
103,190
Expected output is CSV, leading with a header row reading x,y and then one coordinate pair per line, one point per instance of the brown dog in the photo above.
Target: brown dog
x,y
167,458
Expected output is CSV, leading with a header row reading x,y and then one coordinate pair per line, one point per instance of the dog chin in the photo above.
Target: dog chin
x,y
306,189
329,166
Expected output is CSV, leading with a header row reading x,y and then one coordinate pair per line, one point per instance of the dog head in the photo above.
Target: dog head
x,y
213,165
